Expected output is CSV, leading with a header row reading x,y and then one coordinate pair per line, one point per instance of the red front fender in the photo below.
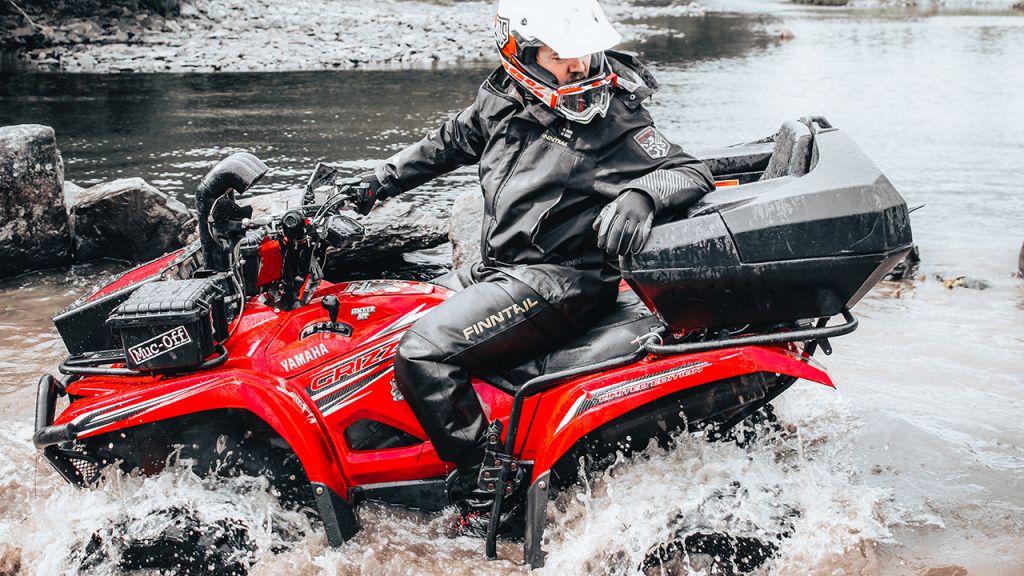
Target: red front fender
x,y
286,409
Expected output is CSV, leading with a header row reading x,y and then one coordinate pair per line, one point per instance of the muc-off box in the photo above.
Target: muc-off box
x,y
170,324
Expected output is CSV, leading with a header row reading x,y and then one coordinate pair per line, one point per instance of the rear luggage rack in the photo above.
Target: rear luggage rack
x,y
818,335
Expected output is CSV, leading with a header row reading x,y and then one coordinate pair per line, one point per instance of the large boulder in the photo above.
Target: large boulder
x,y
464,228
33,223
127,219
393,228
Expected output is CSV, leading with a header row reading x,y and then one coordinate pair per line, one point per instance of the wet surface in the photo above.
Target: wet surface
x,y
171,129
914,464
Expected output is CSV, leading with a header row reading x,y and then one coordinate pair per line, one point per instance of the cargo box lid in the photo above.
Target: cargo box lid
x,y
178,298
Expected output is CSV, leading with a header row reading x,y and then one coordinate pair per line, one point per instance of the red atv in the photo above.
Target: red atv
x,y
236,354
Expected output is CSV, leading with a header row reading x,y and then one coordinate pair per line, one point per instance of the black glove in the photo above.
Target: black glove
x,y
368,191
625,223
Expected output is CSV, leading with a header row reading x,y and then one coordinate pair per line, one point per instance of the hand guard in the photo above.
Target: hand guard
x,y
625,223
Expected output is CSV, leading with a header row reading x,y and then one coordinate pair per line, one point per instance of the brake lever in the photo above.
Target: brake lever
x,y
345,194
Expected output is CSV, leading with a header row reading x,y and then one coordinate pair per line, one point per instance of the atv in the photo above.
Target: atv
x,y
238,356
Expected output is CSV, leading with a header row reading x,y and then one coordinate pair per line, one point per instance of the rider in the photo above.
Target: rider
x,y
573,172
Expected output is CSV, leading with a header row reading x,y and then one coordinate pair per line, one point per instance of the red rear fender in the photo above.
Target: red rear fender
x,y
568,413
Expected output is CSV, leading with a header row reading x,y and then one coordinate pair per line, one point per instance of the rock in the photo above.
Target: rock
x,y
962,282
392,228
464,228
127,219
786,34
71,193
187,10
85,31
1020,260
23,32
34,230
10,560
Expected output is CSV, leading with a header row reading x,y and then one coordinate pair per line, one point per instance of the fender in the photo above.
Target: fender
x,y
285,408
571,412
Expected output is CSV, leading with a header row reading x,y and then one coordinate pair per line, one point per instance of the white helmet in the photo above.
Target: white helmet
x,y
573,29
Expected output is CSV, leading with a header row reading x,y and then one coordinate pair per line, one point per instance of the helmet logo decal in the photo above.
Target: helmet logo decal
x,y
501,31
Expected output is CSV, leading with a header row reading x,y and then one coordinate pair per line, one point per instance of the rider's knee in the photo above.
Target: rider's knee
x,y
414,349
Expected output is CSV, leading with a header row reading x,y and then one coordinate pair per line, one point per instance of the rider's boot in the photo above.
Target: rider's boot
x,y
466,492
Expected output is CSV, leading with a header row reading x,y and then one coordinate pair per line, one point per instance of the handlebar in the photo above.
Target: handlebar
x,y
302,234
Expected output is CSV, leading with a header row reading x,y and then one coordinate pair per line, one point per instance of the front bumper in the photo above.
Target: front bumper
x,y
71,460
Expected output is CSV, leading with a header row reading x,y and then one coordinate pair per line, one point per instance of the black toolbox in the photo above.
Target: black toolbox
x,y
81,324
776,250
170,324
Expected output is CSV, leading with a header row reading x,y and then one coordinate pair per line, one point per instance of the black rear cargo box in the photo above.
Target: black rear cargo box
x,y
779,249
170,324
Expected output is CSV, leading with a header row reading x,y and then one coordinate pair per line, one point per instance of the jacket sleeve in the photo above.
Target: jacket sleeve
x,y
670,177
458,142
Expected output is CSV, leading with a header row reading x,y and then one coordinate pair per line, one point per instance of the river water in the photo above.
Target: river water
x,y
915,465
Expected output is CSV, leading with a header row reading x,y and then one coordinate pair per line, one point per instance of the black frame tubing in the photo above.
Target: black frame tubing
x,y
79,365
800,335
531,388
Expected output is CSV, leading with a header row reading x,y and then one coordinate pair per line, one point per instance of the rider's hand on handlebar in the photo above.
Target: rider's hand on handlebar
x,y
368,191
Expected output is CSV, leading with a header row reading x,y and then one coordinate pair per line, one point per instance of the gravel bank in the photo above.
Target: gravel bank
x,y
264,35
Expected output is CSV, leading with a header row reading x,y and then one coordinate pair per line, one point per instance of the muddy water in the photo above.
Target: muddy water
x,y
915,464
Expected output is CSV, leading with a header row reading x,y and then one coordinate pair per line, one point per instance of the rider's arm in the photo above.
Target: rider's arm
x,y
458,142
661,170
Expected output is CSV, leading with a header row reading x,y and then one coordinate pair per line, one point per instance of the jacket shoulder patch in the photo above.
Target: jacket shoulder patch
x,y
652,142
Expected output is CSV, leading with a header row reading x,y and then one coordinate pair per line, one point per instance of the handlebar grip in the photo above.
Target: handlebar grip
x,y
258,221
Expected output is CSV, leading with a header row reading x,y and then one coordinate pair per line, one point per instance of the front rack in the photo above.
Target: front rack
x,y
97,364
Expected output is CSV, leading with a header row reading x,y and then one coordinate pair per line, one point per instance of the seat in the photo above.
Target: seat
x,y
611,337
792,153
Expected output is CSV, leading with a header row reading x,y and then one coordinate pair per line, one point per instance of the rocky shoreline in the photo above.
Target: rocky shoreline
x,y
49,222
263,35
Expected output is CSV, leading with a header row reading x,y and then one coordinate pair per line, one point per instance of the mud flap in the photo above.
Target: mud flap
x,y
536,518
338,515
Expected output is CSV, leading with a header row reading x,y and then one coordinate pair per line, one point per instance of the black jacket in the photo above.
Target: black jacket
x,y
545,178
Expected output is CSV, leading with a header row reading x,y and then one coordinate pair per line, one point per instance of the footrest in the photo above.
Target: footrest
x,y
499,470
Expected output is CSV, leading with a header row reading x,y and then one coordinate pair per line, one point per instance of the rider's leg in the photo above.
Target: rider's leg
x,y
492,325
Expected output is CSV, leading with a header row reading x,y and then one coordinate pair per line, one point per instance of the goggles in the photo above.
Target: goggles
x,y
580,101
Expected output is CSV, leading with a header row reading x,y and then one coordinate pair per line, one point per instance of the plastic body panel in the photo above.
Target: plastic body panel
x,y
307,389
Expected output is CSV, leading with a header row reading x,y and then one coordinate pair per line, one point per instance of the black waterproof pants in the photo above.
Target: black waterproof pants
x,y
499,317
